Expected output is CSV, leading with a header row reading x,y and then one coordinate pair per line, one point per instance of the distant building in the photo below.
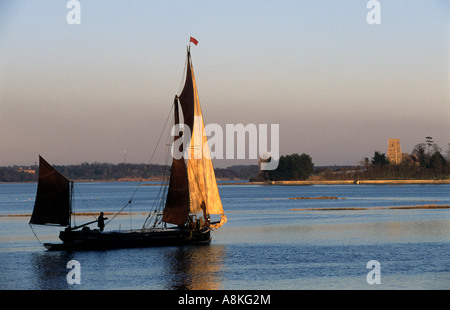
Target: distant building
x,y
30,171
394,153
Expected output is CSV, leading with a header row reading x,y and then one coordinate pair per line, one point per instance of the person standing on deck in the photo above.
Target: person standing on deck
x,y
101,221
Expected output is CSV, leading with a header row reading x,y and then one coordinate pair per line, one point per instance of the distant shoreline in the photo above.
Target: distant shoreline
x,y
292,209
343,182
374,208
306,182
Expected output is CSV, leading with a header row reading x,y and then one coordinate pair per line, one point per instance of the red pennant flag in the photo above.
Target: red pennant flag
x,y
193,40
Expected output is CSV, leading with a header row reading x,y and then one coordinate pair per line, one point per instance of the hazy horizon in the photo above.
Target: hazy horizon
x,y
338,87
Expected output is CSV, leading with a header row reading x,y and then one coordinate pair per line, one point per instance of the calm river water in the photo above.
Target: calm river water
x,y
266,244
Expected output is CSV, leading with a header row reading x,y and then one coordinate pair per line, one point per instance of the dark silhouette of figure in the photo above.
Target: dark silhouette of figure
x,y
101,221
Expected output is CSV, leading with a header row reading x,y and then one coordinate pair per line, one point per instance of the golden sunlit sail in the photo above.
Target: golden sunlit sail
x,y
202,187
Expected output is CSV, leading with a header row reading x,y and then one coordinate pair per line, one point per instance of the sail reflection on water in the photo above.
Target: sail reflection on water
x,y
48,270
195,268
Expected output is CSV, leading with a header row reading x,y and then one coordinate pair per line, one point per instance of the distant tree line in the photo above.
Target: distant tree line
x,y
16,174
237,172
114,172
292,167
426,161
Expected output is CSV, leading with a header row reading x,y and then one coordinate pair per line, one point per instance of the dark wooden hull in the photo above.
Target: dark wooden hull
x,y
96,240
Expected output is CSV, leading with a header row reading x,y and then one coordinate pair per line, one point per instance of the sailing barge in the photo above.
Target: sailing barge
x,y
192,195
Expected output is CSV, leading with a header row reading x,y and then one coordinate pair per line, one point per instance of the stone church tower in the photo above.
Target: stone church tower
x,y
394,153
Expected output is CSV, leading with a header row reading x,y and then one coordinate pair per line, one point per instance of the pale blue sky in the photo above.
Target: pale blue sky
x,y
338,87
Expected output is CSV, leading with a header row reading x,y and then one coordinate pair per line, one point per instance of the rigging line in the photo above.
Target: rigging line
x,y
131,221
114,216
79,197
180,88
159,139
159,197
34,233
146,168
160,201
157,203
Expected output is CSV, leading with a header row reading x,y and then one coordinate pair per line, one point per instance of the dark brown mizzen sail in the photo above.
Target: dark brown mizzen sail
x,y
176,210
53,197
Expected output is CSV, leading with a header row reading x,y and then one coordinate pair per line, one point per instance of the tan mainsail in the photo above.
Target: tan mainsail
x,y
202,190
